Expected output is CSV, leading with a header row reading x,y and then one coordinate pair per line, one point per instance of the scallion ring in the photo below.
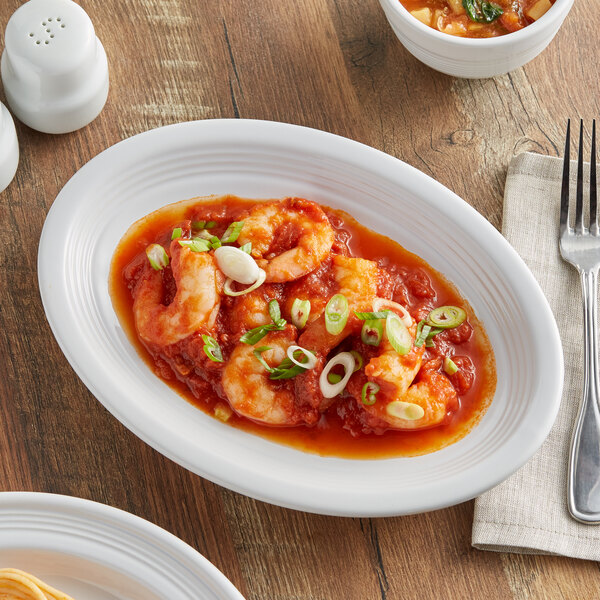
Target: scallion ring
x,y
177,233
449,366
232,232
372,332
368,395
236,264
300,312
423,331
258,354
229,292
336,314
195,245
405,410
379,304
369,316
212,348
247,248
347,361
311,359
397,334
157,256
203,234
274,310
359,360
446,317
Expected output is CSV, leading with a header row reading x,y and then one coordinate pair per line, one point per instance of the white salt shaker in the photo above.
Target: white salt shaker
x,y
54,68
9,148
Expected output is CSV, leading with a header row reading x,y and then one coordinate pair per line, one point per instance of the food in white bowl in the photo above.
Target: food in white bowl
x,y
477,18
474,38
259,159
291,320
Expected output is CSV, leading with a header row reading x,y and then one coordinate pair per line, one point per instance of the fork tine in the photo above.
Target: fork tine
x,y
579,190
593,186
564,192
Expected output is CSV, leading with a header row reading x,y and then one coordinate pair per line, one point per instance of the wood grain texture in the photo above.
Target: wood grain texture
x,y
329,64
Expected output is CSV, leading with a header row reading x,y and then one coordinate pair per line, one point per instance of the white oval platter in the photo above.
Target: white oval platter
x,y
259,159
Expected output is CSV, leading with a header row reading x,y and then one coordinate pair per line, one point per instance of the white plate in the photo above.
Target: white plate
x,y
94,552
259,159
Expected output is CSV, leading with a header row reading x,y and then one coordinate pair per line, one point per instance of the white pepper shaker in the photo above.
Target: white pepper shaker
x,y
54,68
9,148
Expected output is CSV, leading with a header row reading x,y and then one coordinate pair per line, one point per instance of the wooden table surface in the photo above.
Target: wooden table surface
x,y
329,64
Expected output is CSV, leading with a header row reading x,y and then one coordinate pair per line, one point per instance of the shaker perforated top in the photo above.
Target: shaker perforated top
x,y
54,68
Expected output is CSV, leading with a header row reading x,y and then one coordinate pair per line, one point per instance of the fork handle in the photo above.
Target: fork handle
x,y
584,459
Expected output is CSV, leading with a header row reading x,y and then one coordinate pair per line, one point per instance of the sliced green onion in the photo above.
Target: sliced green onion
x,y
286,370
223,412
369,316
368,394
449,366
372,332
215,242
311,359
358,360
258,333
158,257
195,245
397,334
347,361
177,233
203,235
237,265
210,224
274,310
446,317
229,292
405,410
336,314
247,248
423,331
198,224
382,303
434,331
300,312
258,354
232,232
212,348
334,378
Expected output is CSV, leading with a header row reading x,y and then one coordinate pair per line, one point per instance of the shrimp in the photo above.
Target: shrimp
x,y
273,226
252,310
357,279
195,304
411,395
253,395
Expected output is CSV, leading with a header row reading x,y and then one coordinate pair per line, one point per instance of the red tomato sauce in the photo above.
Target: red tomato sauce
x,y
406,279
450,16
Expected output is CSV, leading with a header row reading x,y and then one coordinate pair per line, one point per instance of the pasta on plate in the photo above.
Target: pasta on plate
x,y
20,585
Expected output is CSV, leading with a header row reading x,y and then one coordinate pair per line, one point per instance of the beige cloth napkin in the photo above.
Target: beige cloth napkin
x,y
528,512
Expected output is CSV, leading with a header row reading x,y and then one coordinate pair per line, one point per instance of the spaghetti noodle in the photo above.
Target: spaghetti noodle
x,y
19,585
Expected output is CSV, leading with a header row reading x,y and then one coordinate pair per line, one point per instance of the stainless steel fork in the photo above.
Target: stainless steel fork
x,y
580,245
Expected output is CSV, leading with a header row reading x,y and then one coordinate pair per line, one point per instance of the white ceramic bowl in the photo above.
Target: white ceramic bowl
x,y
474,58
259,159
